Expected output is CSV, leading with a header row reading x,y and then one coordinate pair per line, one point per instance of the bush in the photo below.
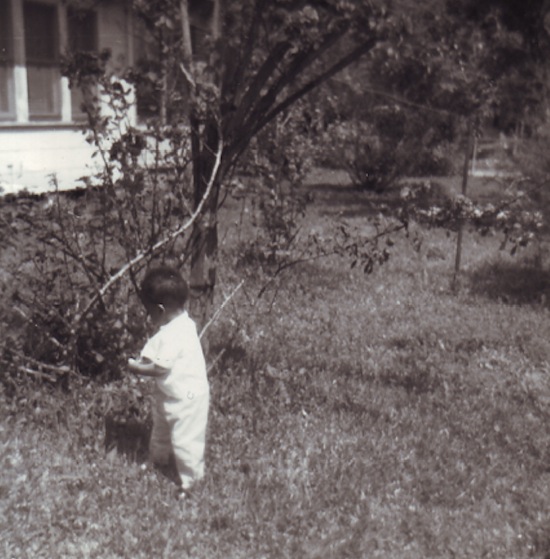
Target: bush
x,y
390,145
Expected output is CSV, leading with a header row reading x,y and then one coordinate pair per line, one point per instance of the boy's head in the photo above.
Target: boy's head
x,y
163,292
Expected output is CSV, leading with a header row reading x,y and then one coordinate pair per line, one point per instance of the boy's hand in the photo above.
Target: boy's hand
x,y
133,363
138,366
146,368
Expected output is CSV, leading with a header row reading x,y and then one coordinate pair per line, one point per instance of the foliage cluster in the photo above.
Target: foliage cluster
x,y
65,247
403,110
392,143
57,247
515,215
81,254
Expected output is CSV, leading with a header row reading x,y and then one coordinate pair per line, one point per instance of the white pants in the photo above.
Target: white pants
x,y
179,426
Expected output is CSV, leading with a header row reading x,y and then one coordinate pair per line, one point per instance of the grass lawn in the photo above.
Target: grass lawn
x,y
352,416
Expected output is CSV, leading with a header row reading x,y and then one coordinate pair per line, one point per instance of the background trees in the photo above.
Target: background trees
x,y
260,58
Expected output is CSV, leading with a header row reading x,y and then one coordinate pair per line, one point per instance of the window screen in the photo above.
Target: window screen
x,y
5,33
41,36
42,60
82,30
6,61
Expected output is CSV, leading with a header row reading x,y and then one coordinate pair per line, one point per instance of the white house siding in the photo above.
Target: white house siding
x,y
29,158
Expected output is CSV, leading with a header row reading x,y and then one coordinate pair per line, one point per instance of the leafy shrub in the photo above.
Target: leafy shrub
x,y
67,306
388,144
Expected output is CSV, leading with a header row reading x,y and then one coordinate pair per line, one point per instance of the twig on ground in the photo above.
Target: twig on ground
x,y
32,372
60,370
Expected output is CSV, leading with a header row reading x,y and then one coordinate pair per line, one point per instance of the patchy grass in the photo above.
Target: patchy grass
x,y
352,416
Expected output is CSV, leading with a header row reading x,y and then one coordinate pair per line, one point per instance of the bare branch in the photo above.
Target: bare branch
x,y
188,76
298,65
158,245
186,32
218,357
247,51
220,309
39,374
333,70
243,140
63,370
261,78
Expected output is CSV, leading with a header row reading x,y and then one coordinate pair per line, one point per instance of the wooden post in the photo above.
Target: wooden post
x,y
465,173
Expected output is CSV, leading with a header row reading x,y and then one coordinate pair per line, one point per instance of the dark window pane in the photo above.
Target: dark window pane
x,y
41,37
5,32
42,54
82,30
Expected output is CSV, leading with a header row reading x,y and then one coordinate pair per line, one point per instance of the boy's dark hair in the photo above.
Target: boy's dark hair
x,y
163,285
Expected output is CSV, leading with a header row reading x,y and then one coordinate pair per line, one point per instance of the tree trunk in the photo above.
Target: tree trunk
x,y
204,145
204,245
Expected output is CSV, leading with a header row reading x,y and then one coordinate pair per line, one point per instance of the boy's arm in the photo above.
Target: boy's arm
x,y
146,368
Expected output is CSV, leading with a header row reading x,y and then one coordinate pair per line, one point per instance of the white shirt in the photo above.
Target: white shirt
x,y
176,347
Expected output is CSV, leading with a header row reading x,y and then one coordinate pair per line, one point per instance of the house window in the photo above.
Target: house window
x,y
33,36
42,60
6,63
82,31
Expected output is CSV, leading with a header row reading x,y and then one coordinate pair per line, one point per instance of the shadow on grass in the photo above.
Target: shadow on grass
x,y
510,282
336,195
129,438
349,201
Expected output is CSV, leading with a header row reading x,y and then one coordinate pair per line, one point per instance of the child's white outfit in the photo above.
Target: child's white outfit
x,y
180,407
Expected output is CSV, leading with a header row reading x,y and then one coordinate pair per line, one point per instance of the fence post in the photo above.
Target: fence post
x,y
465,173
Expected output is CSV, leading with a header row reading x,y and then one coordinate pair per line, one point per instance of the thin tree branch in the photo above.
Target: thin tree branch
x,y
218,357
238,147
253,91
247,51
63,370
187,46
298,65
39,374
188,77
159,244
220,309
333,70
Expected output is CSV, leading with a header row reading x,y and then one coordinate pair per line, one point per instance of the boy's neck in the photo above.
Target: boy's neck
x,y
171,314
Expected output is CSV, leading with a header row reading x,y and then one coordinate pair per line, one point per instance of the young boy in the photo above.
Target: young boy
x,y
174,357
